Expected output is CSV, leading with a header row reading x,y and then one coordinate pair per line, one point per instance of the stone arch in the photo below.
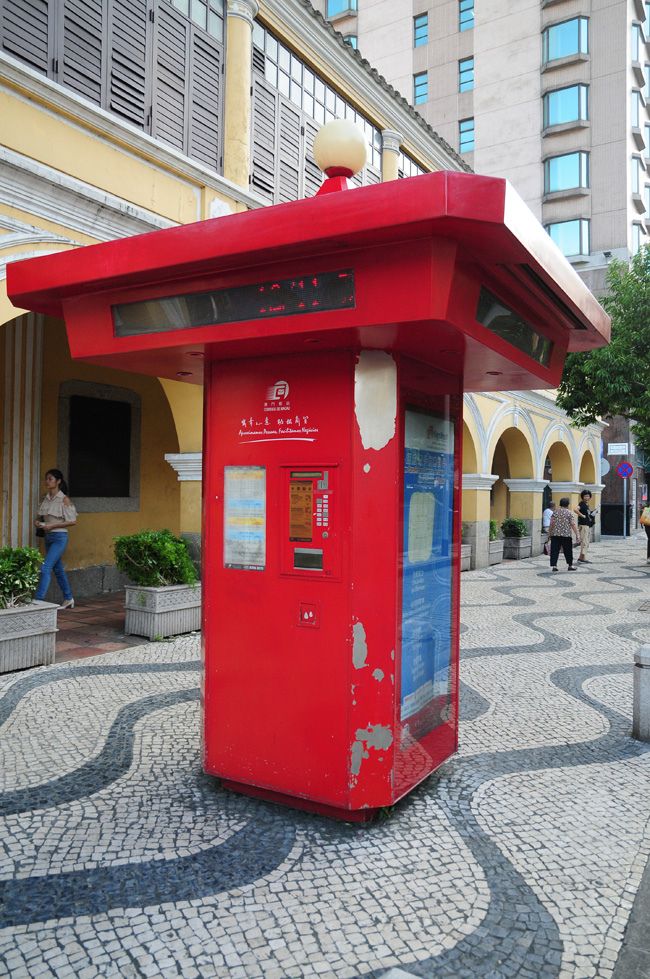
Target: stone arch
x,y
558,463
470,455
587,470
512,458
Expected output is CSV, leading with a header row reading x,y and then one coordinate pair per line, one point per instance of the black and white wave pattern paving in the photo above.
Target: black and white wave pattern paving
x,y
520,857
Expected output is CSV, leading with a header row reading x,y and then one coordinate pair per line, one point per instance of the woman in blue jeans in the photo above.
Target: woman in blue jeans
x,y
55,514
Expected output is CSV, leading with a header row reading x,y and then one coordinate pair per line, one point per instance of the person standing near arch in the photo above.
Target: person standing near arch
x,y
585,523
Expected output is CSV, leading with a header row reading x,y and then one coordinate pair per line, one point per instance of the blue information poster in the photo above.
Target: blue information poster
x,y
427,572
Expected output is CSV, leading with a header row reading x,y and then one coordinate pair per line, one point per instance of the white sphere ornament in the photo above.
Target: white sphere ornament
x,y
340,148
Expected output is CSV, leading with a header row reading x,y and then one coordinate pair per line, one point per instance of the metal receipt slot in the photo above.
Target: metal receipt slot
x,y
310,510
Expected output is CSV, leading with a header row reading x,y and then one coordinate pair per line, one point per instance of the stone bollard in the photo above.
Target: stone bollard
x,y
641,696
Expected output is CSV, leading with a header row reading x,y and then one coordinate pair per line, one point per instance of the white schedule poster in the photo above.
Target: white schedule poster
x,y
244,537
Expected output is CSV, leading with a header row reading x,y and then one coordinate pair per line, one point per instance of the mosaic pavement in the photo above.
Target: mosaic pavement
x,y
520,857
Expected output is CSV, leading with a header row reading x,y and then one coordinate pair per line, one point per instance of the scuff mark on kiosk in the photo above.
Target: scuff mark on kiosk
x,y
375,398
376,736
359,646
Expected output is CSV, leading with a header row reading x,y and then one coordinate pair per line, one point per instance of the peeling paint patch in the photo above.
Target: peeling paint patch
x,y
375,398
357,754
366,468
378,675
378,736
359,646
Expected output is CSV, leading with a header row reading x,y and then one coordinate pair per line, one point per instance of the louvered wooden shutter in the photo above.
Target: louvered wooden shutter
x,y
82,49
373,176
170,99
289,152
263,154
313,177
205,102
128,60
27,31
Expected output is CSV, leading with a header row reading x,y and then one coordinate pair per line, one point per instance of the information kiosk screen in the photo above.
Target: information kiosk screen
x,y
427,571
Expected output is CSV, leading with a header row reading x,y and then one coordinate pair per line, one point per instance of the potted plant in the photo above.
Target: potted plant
x,y
516,542
495,545
27,628
165,598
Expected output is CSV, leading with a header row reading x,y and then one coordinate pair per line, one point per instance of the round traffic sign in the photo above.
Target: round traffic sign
x,y
624,470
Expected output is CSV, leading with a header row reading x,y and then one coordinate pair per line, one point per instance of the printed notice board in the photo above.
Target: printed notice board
x,y
244,532
427,572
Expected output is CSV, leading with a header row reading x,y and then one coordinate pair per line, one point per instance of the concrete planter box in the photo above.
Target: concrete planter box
x,y
495,552
465,557
168,611
27,636
515,548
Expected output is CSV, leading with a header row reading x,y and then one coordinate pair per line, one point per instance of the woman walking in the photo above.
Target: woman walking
x,y
55,514
563,529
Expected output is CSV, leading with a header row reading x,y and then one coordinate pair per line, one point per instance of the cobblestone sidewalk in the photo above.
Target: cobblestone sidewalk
x,y
522,856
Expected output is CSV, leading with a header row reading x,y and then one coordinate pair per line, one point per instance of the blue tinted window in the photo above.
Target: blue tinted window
x,y
571,237
340,6
466,135
466,15
566,105
420,88
562,40
420,30
465,74
566,172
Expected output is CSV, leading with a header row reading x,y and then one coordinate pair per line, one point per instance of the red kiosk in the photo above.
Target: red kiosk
x,y
337,336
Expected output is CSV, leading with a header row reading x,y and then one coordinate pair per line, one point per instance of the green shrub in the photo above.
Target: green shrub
x,y
20,568
513,527
494,535
153,558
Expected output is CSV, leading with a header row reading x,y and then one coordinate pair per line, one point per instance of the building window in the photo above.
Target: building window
x,y
420,30
335,7
646,194
566,172
407,167
646,130
635,109
563,40
466,15
465,74
635,175
636,238
466,135
566,105
206,14
571,237
420,88
99,445
290,103
351,40
637,42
